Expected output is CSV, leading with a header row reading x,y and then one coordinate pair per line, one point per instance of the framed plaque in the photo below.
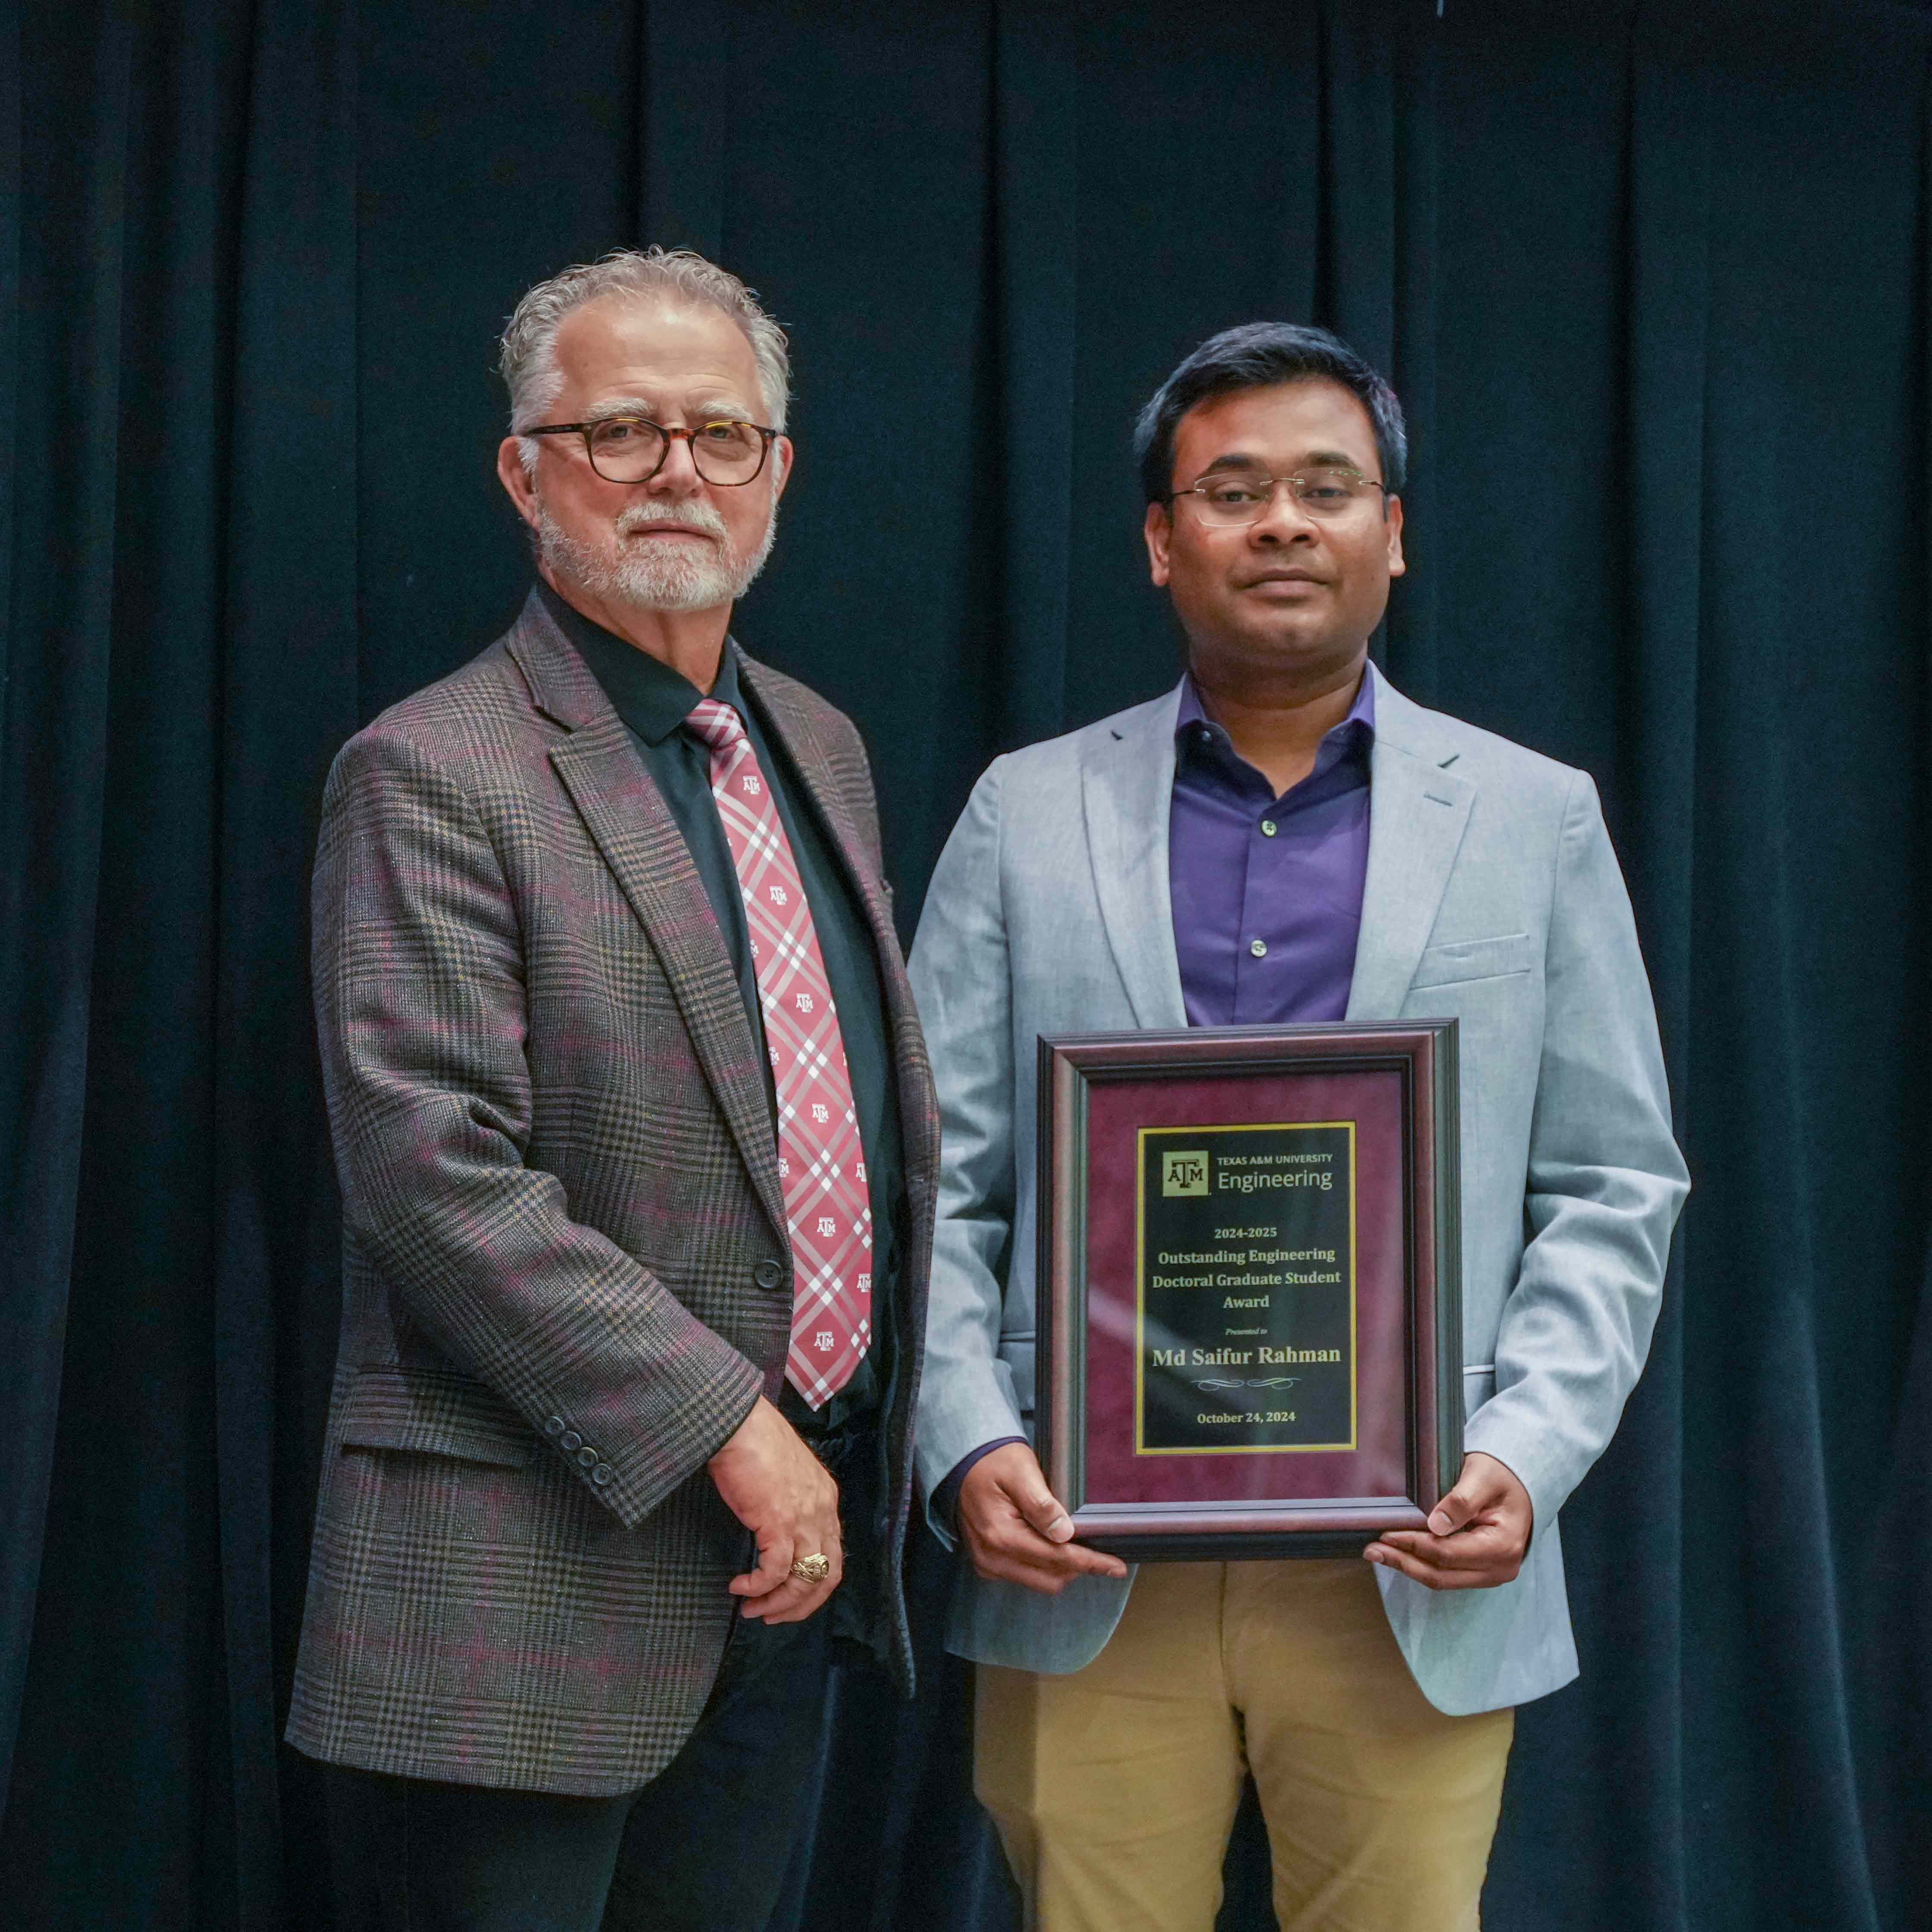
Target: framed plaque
x,y
1250,1291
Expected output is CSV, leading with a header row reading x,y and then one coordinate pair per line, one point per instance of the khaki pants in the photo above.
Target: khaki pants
x,y
1115,1786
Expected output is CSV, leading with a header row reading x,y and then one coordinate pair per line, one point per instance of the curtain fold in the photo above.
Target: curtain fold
x,y
65,325
1654,288
1638,439
286,698
1033,264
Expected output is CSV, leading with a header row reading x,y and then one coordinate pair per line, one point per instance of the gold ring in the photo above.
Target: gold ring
x,y
813,1569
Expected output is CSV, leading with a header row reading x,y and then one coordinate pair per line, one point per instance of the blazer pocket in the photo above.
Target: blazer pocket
x,y
433,1414
1464,959
1478,1385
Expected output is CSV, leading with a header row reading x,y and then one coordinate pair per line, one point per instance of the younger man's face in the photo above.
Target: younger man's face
x,y
1290,589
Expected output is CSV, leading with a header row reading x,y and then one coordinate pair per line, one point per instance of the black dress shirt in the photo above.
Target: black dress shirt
x,y
654,700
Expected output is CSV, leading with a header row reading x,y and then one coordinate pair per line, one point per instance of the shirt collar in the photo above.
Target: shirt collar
x,y
1355,733
652,699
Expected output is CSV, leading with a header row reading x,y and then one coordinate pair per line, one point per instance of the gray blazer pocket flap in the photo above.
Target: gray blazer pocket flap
x,y
1479,1383
1474,959
434,1413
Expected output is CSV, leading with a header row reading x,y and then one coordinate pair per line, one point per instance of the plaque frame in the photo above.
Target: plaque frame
x,y
1423,1055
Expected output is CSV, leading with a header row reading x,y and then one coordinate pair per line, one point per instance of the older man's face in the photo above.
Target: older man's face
x,y
674,542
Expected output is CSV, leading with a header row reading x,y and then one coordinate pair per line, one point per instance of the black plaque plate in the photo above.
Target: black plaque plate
x,y
1246,1280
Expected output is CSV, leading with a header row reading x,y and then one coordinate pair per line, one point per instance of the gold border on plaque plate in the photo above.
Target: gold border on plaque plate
x,y
1143,1136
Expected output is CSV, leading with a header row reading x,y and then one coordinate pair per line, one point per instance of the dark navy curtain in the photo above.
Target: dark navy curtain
x,y
1653,282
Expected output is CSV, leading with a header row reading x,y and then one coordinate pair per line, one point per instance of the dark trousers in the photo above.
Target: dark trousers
x,y
702,1848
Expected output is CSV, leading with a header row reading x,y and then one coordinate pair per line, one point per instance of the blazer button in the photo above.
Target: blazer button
x,y
587,1457
554,1426
570,1442
769,1273
602,1474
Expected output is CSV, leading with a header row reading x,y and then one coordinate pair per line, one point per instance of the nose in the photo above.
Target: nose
x,y
1285,519
677,474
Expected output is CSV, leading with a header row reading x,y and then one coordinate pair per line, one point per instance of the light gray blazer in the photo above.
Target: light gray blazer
x,y
1492,895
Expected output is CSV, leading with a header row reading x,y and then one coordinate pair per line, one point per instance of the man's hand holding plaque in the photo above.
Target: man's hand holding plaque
x,y
1015,1529
1478,1533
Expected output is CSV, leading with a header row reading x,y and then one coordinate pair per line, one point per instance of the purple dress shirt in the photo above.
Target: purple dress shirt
x,y
1267,892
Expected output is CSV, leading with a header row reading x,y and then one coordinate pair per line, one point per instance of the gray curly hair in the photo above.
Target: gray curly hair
x,y
528,359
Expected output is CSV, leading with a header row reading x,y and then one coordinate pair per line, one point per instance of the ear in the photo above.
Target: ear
x,y
782,453
1158,531
516,480
1393,517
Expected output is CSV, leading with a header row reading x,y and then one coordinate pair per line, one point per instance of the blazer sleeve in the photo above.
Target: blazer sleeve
x,y
963,986
420,1008
1605,1183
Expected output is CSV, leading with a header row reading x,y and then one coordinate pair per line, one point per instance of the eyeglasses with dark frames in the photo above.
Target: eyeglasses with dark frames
x,y
632,449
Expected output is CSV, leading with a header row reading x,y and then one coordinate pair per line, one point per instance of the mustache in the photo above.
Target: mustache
x,y
692,515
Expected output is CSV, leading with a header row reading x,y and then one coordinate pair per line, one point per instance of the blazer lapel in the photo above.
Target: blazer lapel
x,y
1127,791
791,723
1418,809
792,726
632,828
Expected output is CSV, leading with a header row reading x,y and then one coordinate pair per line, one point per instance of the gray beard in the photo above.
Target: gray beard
x,y
656,576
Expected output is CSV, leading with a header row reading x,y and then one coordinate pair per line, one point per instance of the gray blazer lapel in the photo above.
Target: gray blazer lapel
x,y
1127,791
632,828
1418,808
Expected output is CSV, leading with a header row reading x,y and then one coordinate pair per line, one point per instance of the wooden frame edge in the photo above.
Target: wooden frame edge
x,y
1427,1052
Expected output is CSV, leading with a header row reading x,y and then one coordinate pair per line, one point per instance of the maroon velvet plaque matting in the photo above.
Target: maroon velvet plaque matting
x,y
1248,1285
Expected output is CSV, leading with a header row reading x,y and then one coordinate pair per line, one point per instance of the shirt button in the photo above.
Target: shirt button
x,y
1258,947
1268,828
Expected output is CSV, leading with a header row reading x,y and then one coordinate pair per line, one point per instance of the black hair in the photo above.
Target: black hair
x,y
1257,356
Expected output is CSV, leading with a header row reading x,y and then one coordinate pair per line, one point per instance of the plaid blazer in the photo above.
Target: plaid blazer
x,y
566,1270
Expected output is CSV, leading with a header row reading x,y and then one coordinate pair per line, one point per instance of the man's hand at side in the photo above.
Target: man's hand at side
x,y
1478,1536
781,1492
1016,1531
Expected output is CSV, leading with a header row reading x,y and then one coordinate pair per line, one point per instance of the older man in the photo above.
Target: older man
x,y
1284,837
637,1152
